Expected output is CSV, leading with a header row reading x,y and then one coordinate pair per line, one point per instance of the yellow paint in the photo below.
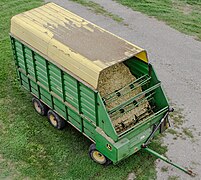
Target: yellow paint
x,y
35,28
53,120
98,157
37,107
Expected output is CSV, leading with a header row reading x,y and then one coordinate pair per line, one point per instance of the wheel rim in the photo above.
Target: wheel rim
x,y
98,157
37,107
53,120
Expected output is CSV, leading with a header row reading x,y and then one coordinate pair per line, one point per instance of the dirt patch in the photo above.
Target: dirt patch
x,y
131,176
7,169
184,8
187,9
173,178
1,158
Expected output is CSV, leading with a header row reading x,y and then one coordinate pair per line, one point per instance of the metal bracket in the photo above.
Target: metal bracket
x,y
156,128
149,69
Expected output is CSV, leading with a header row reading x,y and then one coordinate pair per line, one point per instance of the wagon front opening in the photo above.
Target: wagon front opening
x,y
132,94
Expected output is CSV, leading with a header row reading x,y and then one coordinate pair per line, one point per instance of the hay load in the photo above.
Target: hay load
x,y
117,85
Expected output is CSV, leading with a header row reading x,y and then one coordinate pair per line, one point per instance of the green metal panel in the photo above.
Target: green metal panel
x,y
41,70
45,96
104,120
24,78
40,59
33,85
140,137
42,79
89,129
159,96
60,107
88,103
123,148
71,91
14,51
24,81
75,119
136,67
101,145
59,104
28,52
77,124
55,80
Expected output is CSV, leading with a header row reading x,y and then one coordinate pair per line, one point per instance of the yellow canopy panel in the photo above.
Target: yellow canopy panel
x,y
71,42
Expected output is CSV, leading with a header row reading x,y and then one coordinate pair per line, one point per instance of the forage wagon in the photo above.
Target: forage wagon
x,y
90,78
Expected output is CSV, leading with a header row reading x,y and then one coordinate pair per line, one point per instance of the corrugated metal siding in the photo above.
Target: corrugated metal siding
x,y
43,79
75,119
71,91
87,97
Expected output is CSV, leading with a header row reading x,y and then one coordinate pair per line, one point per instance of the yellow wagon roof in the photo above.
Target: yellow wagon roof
x,y
71,42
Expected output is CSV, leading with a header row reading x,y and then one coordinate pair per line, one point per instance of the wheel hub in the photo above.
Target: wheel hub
x,y
53,120
37,107
99,157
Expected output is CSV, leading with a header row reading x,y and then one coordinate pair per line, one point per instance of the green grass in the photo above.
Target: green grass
x,y
183,15
173,178
177,117
98,9
177,120
188,132
164,169
172,131
30,147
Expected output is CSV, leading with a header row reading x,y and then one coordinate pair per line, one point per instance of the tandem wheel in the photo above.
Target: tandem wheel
x,y
39,107
98,157
55,120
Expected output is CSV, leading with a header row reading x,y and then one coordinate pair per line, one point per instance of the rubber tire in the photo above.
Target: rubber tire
x,y
92,148
43,108
60,123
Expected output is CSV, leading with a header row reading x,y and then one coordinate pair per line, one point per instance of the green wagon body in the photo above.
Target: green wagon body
x,y
82,105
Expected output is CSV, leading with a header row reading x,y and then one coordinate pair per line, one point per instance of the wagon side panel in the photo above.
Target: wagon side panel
x,y
72,100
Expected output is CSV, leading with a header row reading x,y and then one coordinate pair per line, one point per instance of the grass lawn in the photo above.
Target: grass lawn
x,y
29,147
183,15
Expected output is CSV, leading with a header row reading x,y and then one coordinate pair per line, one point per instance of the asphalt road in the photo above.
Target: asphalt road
x,y
177,60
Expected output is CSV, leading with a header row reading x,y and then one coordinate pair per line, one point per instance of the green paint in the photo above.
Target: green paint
x,y
84,107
